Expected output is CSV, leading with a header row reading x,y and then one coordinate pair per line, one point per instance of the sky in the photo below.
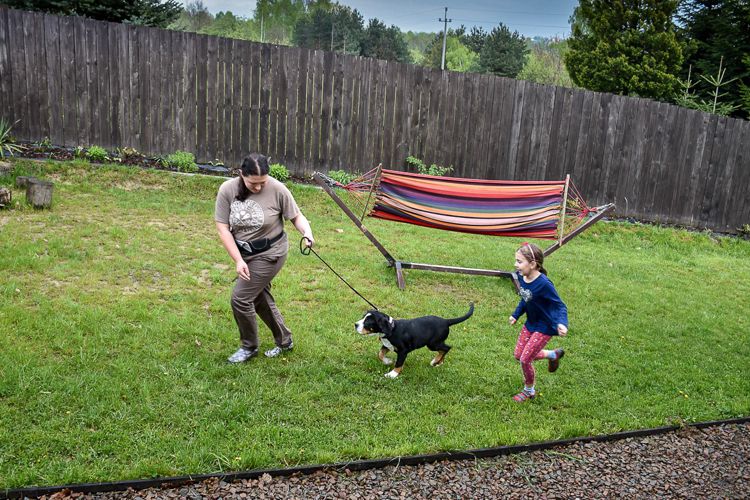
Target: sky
x,y
545,18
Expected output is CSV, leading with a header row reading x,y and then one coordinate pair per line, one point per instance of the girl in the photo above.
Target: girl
x,y
546,315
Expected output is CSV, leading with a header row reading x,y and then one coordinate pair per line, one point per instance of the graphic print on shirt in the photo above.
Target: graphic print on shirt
x,y
526,294
246,215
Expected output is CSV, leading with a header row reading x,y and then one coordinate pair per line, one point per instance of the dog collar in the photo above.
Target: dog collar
x,y
390,321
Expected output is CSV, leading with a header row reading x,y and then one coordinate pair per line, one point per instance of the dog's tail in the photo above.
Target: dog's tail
x,y
466,316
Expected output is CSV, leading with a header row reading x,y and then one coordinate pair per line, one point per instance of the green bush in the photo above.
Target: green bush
x,y
97,153
279,172
341,176
433,169
182,161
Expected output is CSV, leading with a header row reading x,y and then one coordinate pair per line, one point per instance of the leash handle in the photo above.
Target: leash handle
x,y
305,250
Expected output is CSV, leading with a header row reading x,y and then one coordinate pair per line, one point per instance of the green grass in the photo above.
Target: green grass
x,y
115,327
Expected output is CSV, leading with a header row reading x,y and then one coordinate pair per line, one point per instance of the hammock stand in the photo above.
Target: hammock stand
x,y
594,215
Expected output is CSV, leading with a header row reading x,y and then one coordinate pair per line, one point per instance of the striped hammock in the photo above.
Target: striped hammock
x,y
501,208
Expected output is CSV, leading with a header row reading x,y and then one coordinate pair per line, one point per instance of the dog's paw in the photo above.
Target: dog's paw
x,y
387,361
435,362
391,374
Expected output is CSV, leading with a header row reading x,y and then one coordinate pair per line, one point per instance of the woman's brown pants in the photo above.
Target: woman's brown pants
x,y
251,298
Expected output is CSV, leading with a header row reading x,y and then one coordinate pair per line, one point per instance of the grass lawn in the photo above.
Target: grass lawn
x,y
115,327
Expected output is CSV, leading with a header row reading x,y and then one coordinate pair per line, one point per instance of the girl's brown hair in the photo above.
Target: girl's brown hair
x,y
253,164
533,254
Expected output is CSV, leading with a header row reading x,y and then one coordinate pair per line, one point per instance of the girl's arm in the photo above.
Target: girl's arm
x,y
520,310
559,310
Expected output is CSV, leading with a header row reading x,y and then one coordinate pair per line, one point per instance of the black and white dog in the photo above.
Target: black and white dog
x,y
405,335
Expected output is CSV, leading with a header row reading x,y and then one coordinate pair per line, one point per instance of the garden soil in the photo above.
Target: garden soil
x,y
689,463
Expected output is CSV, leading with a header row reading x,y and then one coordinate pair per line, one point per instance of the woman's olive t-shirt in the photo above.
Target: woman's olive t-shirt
x,y
260,215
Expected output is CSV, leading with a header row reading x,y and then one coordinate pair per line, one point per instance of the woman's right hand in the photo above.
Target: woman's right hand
x,y
242,270
512,320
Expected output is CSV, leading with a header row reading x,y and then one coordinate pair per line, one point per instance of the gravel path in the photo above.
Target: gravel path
x,y
691,463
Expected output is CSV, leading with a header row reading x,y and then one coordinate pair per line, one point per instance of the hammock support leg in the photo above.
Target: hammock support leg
x,y
593,220
400,275
353,217
449,269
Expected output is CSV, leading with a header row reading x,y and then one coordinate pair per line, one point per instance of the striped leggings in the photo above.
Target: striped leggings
x,y
529,348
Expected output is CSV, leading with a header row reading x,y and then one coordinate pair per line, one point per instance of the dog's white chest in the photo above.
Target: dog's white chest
x,y
387,344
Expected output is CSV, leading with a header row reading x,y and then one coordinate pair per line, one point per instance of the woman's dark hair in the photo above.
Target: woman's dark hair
x,y
253,164
533,253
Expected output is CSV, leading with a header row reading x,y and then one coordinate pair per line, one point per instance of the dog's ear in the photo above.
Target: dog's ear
x,y
384,325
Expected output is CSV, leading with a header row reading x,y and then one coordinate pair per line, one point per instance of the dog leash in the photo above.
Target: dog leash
x,y
305,250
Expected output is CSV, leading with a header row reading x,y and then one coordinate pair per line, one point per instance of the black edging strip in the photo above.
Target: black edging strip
x,y
359,465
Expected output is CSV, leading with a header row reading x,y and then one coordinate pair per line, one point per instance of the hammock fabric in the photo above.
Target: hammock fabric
x,y
501,208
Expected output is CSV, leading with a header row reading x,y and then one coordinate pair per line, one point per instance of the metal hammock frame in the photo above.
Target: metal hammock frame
x,y
399,265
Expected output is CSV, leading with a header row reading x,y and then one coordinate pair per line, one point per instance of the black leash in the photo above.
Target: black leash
x,y
305,250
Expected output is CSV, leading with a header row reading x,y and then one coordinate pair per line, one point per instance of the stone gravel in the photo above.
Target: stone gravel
x,y
689,463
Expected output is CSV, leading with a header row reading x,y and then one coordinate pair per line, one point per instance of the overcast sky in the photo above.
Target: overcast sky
x,y
531,18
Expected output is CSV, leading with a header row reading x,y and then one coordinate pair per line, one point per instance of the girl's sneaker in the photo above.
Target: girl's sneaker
x,y
555,363
523,396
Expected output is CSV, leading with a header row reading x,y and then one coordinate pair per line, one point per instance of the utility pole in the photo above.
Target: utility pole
x,y
445,22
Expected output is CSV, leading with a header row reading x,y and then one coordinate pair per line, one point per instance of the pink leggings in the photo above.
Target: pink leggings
x,y
529,348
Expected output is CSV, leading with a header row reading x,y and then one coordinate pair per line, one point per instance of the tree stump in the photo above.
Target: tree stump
x,y
5,197
39,193
23,180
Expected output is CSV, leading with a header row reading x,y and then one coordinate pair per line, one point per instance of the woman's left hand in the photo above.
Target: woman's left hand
x,y
562,330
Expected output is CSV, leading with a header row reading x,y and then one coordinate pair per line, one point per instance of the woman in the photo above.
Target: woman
x,y
250,213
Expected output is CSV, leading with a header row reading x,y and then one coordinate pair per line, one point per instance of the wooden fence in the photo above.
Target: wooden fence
x,y
83,82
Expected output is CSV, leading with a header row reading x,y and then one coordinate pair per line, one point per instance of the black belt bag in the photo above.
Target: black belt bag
x,y
254,247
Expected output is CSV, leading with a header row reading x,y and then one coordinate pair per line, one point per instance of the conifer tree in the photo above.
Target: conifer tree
x,y
625,47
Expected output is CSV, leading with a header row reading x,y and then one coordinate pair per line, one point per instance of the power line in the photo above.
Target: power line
x,y
514,24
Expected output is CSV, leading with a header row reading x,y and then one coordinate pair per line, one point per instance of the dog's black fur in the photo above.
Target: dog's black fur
x,y
406,335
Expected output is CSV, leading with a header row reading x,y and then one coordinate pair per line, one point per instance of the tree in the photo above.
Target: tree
x,y
194,17
228,25
503,53
714,32
384,43
458,57
144,12
625,47
278,18
330,27
544,64
475,39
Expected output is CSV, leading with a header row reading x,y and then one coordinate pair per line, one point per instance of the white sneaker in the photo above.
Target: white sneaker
x,y
242,355
272,353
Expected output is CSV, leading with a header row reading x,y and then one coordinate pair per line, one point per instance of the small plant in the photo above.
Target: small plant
x,y
279,172
341,176
7,142
97,153
423,169
128,153
79,152
182,161
44,145
744,231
